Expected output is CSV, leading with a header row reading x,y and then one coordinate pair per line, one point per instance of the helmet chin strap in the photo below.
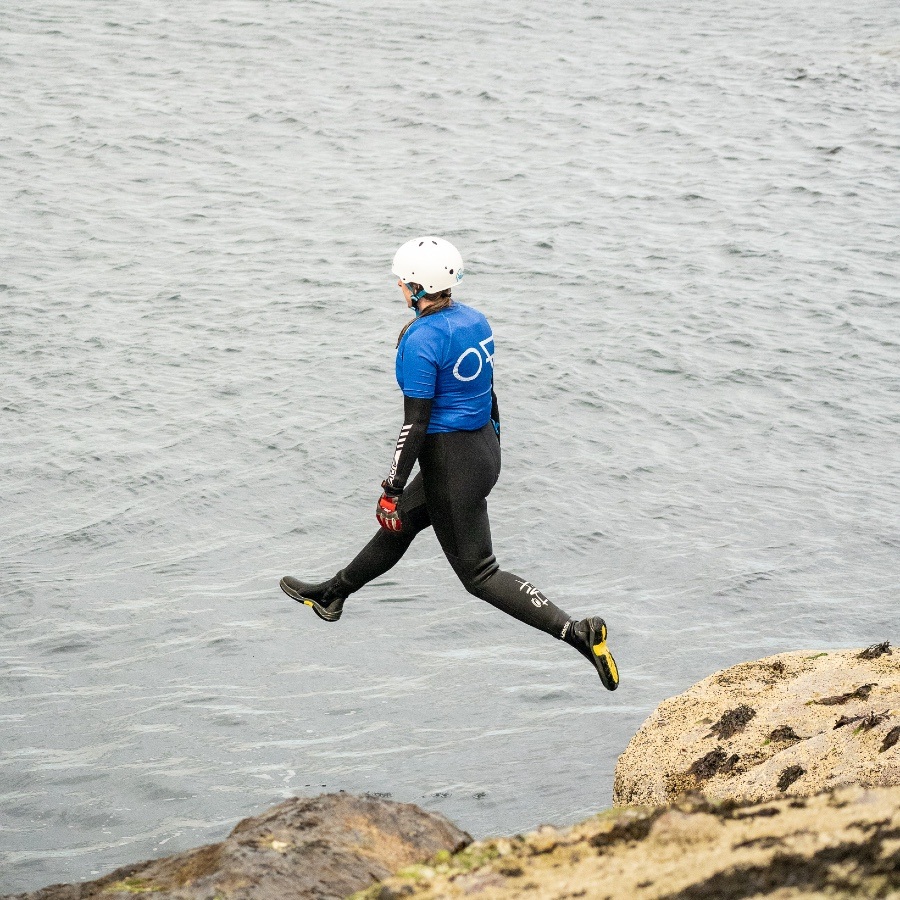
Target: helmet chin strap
x,y
415,297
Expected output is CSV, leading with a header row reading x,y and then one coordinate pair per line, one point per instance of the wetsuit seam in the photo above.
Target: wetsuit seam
x,y
447,342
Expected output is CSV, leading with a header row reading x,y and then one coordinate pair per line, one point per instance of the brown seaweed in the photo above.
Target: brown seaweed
x,y
861,693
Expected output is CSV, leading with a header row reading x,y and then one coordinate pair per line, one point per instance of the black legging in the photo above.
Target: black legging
x,y
458,469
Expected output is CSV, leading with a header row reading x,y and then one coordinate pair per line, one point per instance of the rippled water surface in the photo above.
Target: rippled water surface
x,y
682,220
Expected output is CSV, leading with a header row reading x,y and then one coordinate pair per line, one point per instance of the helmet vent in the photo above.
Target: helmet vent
x,y
451,271
421,242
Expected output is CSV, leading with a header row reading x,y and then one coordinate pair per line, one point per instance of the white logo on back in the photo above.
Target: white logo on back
x,y
488,357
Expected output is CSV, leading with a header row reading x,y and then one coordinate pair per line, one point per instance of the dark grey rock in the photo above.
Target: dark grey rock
x,y
324,848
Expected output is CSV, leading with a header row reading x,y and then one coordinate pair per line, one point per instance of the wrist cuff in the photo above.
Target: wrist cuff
x,y
390,490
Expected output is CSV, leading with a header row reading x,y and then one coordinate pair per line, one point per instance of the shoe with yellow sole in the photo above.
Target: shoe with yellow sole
x,y
591,643
325,598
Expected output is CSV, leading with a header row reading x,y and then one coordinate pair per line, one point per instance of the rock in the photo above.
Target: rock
x,y
324,847
838,843
797,723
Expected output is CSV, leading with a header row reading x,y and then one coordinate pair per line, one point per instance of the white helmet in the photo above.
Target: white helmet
x,y
430,261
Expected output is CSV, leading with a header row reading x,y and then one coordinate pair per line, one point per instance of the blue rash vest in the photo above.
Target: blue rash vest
x,y
448,357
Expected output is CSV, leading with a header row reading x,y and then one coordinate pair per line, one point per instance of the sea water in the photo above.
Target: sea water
x,y
682,220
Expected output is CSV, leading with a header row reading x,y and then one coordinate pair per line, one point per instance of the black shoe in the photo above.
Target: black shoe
x,y
591,635
325,599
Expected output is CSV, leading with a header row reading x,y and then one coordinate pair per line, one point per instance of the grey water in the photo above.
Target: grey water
x,y
682,220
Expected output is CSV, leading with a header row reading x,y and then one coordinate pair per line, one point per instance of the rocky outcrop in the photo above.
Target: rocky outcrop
x,y
779,777
793,724
326,847
842,843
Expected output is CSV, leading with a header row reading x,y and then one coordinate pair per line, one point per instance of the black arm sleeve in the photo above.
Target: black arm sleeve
x,y
416,415
495,408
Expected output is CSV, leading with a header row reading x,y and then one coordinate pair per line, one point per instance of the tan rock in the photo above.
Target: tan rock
x,y
842,843
795,724
678,827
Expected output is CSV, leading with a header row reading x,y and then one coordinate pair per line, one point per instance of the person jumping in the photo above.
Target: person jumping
x,y
451,426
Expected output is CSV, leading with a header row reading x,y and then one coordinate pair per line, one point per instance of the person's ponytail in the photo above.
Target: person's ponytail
x,y
436,302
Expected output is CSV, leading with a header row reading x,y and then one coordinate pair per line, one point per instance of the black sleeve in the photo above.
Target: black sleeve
x,y
495,408
416,415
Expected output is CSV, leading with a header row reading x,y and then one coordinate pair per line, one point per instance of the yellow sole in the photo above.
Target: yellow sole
x,y
602,651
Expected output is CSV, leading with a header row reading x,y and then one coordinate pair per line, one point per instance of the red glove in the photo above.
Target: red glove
x,y
386,513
